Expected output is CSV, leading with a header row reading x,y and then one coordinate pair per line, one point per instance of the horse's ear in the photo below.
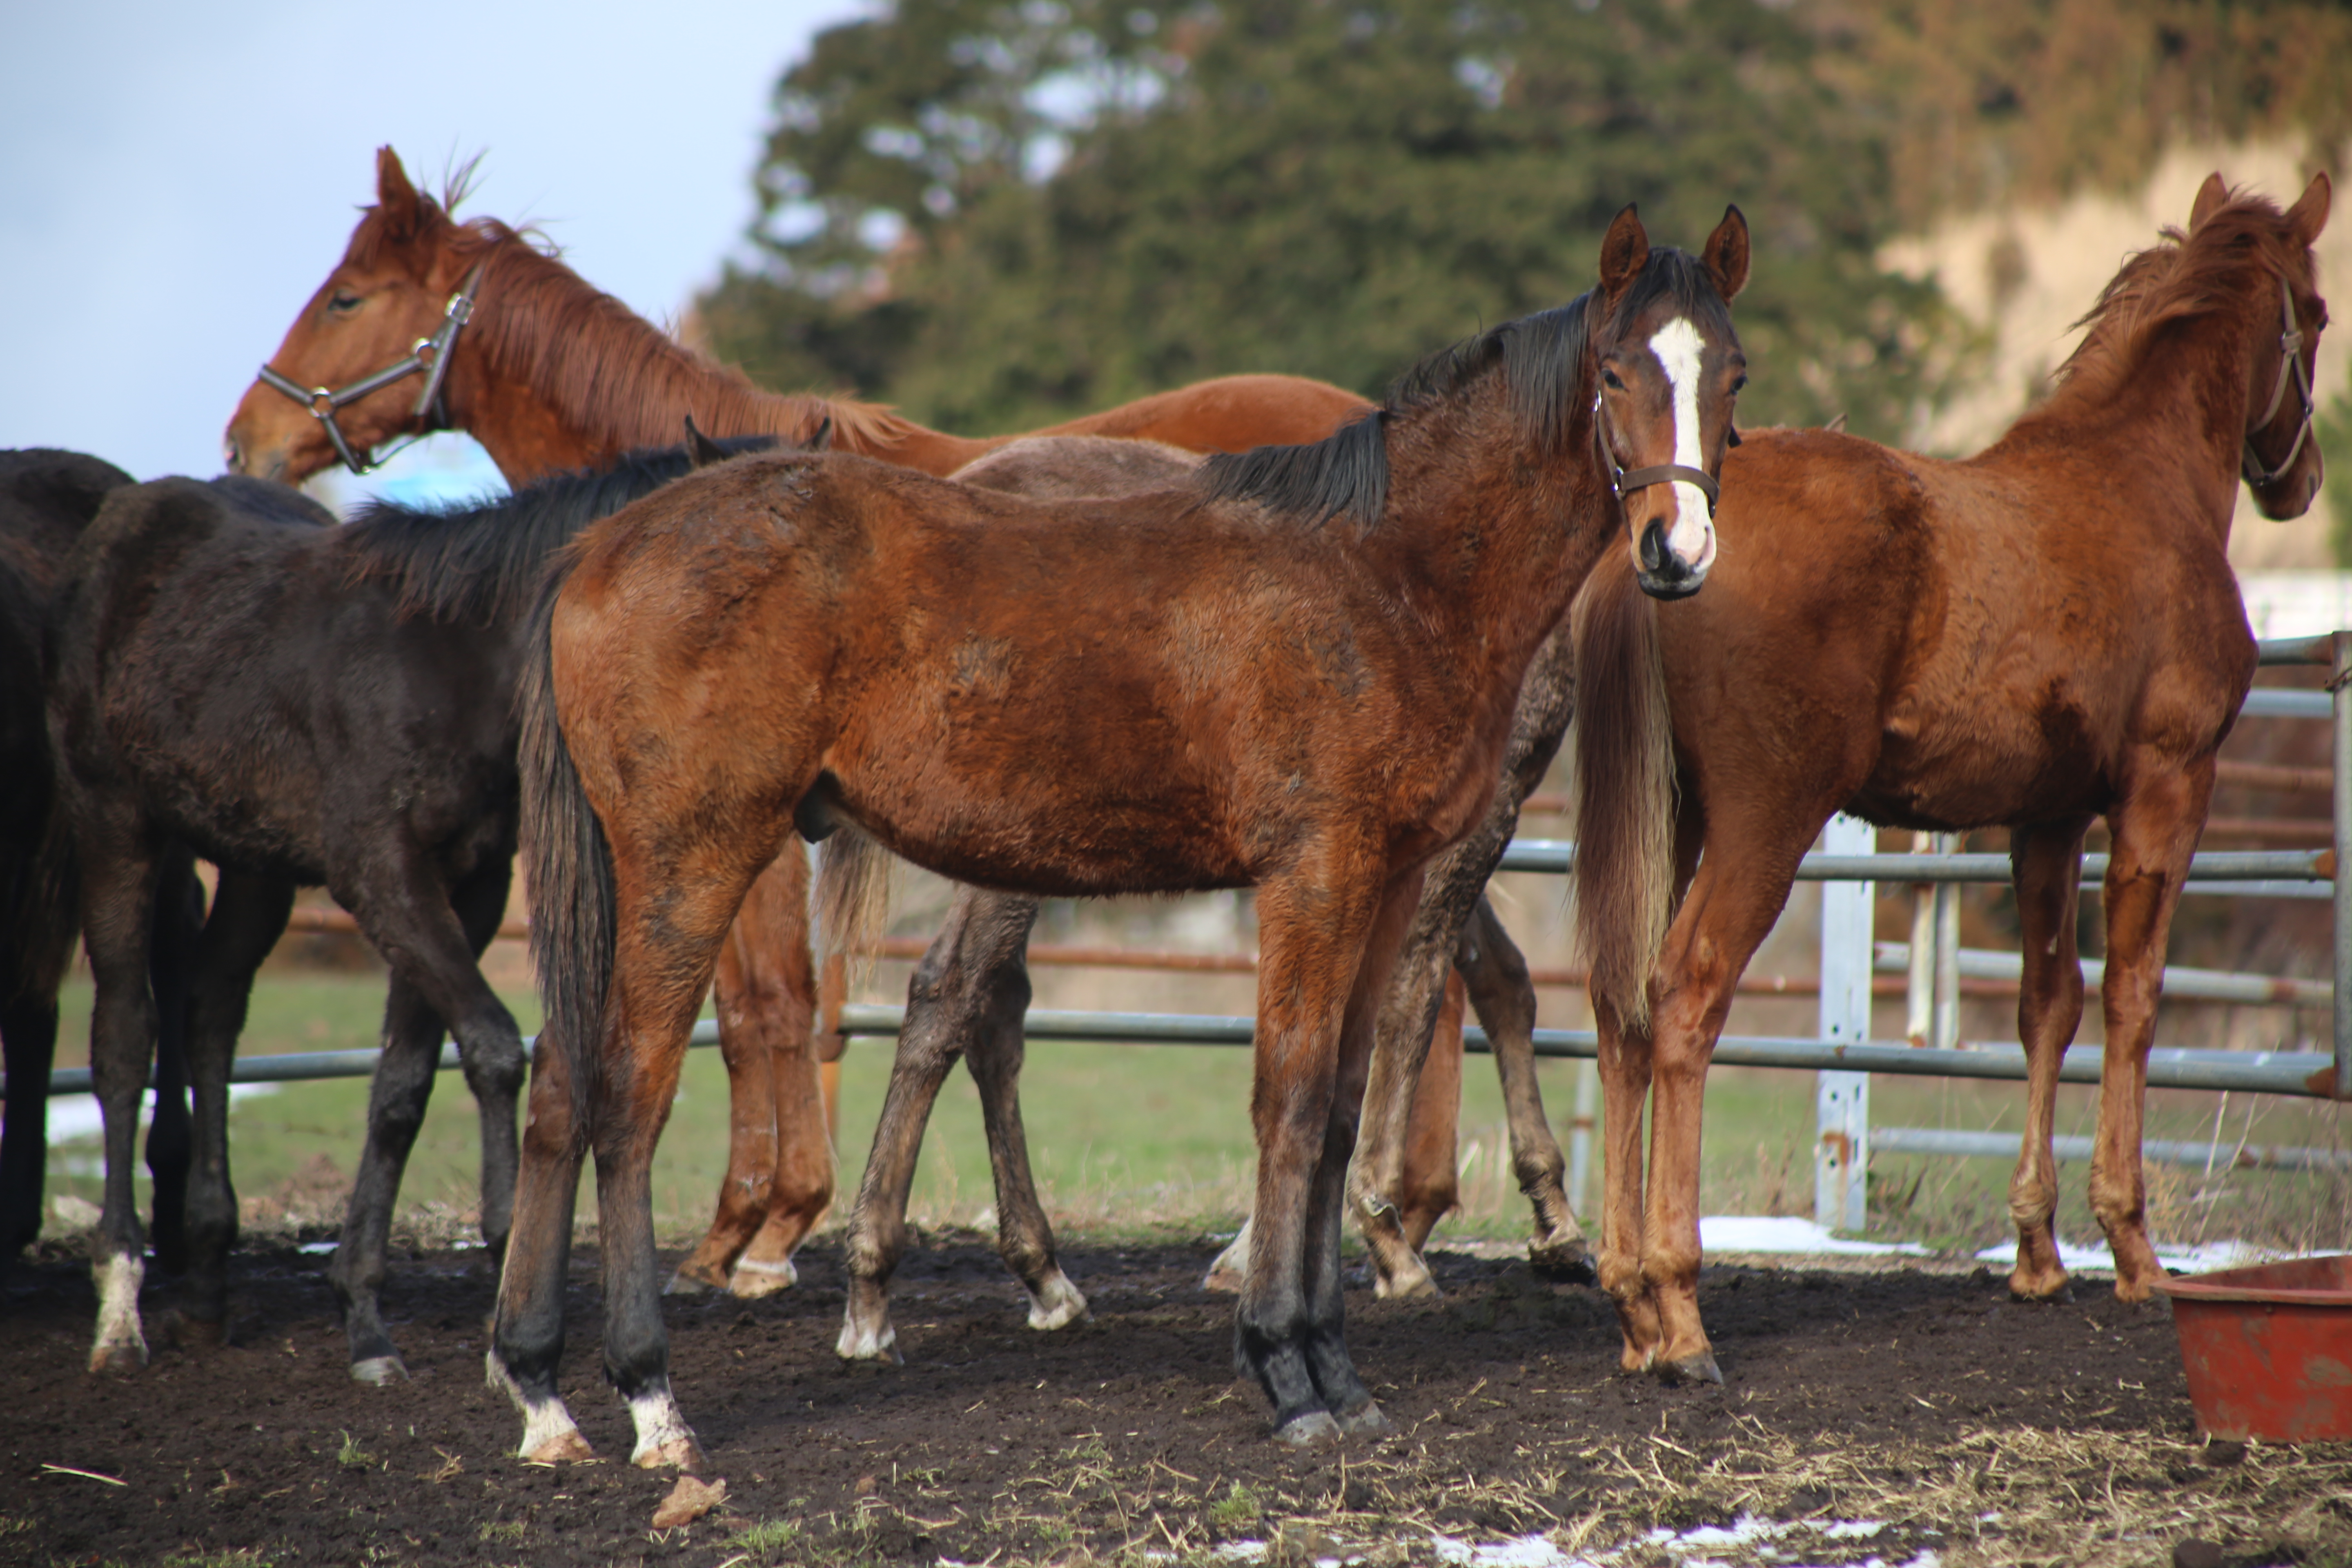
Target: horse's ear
x,y
394,196
1727,254
823,440
702,451
2309,213
1624,251
2210,197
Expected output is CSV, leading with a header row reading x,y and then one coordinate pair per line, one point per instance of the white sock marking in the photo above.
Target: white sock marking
x,y
118,1279
1681,354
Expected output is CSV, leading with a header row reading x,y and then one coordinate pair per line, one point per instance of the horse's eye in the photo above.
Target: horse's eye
x,y
1609,379
345,302
1738,384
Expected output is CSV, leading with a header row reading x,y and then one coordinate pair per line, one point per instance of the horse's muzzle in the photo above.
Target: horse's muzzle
x,y
1662,573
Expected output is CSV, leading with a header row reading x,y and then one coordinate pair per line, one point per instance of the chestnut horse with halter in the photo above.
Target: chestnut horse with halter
x,y
2043,633
550,374
1298,671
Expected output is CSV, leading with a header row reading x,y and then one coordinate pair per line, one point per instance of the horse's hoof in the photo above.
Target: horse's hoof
x,y
120,1358
377,1371
685,1284
1634,1360
1413,1284
567,1447
1316,1429
1223,1280
1366,1421
858,1342
195,1334
753,1280
681,1453
2058,1292
1699,1368
1563,1262
1057,1304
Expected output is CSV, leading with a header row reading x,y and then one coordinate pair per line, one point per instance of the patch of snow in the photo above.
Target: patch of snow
x,y
1786,1233
75,1117
2097,1259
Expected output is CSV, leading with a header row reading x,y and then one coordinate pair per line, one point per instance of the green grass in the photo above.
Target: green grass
x,y
1137,1137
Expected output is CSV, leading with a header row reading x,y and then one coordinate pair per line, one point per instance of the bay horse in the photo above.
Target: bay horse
x,y
550,374
46,499
2043,633
1296,672
234,675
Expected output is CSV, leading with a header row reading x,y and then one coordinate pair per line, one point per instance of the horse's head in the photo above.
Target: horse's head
x,y
1670,371
388,298
2280,461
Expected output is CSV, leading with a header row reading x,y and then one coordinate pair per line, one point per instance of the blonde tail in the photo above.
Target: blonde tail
x,y
1624,789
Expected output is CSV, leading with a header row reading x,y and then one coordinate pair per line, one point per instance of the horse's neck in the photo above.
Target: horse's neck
x,y
536,408
1494,546
2172,430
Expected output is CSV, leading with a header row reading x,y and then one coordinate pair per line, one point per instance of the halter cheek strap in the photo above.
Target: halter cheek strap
x,y
429,358
2250,463
1624,481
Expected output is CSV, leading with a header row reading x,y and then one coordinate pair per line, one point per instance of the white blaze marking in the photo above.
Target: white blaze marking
x,y
1681,354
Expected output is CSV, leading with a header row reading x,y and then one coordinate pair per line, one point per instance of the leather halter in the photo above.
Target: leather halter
x,y
1624,480
2250,462
429,358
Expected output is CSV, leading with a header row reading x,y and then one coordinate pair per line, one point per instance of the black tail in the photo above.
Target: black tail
x,y
569,870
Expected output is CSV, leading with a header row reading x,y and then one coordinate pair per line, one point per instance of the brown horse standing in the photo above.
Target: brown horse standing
x,y
1297,672
2043,633
551,375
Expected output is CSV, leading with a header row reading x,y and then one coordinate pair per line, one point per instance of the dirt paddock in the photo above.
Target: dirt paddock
x,y
1909,1413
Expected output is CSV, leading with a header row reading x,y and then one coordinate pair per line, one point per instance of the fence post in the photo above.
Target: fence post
x,y
2338,674
1842,1099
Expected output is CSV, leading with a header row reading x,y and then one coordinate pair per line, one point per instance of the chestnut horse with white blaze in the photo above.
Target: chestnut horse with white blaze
x,y
2033,637
1296,672
490,334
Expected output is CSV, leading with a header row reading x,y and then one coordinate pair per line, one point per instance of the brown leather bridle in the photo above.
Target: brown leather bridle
x,y
2290,369
429,357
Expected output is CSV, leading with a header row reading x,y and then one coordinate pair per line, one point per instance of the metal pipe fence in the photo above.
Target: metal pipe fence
x,y
1844,1056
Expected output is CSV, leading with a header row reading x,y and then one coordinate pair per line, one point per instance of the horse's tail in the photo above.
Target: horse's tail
x,y
568,867
853,896
1624,790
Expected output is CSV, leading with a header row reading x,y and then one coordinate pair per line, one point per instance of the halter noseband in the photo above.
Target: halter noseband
x,y
2250,463
429,358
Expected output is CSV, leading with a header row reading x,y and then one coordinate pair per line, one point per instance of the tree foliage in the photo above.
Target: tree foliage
x,y
1001,212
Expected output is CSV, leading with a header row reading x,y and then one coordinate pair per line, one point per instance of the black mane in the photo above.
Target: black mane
x,y
1345,474
485,561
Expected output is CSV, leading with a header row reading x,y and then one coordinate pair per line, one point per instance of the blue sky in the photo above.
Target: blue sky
x,y
176,179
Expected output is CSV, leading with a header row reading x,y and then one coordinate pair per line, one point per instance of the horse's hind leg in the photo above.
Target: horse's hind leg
x,y
1025,1238
28,1038
1505,997
2046,866
782,1006
2155,829
120,862
1431,1186
431,938
172,968
971,976
248,916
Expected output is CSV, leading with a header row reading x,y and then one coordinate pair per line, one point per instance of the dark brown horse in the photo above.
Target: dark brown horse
x,y
2041,634
550,374
231,675
1297,672
47,500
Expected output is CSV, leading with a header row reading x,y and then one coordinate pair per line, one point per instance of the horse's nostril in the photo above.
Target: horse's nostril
x,y
1654,551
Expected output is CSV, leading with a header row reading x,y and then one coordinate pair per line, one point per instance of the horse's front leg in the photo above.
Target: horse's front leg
x,y
2046,868
2155,827
1313,929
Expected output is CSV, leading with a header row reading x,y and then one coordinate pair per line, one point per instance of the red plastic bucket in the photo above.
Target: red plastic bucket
x,y
2269,1348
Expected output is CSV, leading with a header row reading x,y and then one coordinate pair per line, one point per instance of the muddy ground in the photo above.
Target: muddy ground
x,y
1919,1399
